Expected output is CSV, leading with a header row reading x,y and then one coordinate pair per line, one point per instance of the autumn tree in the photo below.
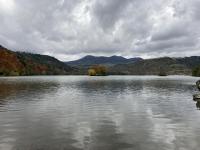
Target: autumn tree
x,y
92,72
97,70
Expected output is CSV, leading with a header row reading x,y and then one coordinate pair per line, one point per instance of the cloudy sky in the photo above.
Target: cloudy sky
x,y
70,29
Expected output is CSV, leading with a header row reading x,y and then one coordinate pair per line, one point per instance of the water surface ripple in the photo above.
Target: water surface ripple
x,y
98,113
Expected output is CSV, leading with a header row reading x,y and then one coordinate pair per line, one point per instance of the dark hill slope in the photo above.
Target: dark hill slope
x,y
171,66
191,62
101,60
20,63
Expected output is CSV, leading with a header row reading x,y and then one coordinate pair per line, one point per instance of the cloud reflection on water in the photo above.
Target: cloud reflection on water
x,y
98,113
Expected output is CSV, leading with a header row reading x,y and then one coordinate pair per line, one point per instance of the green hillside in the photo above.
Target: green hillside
x,y
170,66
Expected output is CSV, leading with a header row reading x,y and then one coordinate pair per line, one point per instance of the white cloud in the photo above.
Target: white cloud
x,y
7,5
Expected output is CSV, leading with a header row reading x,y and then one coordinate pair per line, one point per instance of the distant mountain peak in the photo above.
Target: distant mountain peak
x,y
88,56
102,60
115,56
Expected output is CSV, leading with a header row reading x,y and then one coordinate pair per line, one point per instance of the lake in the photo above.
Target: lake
x,y
99,113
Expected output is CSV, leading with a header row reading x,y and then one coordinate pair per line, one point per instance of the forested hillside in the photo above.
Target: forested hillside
x,y
20,63
170,66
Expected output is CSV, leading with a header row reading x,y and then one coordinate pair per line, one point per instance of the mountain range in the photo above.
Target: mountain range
x,y
117,65
22,63
101,60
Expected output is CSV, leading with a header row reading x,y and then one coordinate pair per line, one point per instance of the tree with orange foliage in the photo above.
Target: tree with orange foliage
x,y
98,70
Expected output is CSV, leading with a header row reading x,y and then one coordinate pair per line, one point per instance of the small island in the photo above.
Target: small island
x,y
162,72
97,70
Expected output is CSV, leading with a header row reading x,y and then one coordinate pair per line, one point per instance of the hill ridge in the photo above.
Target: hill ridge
x,y
23,63
89,60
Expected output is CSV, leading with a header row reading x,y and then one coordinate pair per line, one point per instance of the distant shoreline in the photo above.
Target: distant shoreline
x,y
27,64
97,76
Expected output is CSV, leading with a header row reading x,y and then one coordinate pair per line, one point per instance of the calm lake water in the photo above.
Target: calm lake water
x,y
99,113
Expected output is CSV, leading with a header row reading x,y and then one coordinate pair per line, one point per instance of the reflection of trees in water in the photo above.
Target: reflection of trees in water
x,y
13,90
113,86
198,105
106,86
167,86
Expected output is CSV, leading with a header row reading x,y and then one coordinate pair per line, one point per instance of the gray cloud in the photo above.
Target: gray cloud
x,y
108,13
175,31
69,29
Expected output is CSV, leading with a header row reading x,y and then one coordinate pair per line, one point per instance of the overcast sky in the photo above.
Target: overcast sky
x,y
70,29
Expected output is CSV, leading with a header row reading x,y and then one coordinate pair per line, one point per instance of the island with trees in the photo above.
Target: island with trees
x,y
97,70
